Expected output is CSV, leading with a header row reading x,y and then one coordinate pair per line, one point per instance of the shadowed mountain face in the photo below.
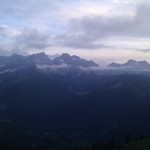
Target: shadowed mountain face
x,y
70,102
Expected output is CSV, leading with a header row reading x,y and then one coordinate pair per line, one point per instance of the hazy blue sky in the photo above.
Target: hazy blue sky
x,y
102,29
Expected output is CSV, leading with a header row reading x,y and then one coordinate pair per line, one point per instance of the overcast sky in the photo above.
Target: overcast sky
x,y
99,29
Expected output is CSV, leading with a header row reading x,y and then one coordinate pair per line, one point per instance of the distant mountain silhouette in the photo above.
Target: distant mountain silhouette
x,y
131,63
43,59
65,58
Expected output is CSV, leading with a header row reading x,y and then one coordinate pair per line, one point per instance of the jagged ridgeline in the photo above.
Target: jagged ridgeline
x,y
43,59
58,103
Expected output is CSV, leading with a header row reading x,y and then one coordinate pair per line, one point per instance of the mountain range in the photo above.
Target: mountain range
x,y
42,58
131,63
40,106
65,63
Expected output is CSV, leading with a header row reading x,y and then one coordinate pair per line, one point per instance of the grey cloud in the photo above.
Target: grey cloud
x,y
89,32
3,31
101,27
2,28
21,41
143,13
4,52
8,32
32,38
13,9
143,50
78,41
